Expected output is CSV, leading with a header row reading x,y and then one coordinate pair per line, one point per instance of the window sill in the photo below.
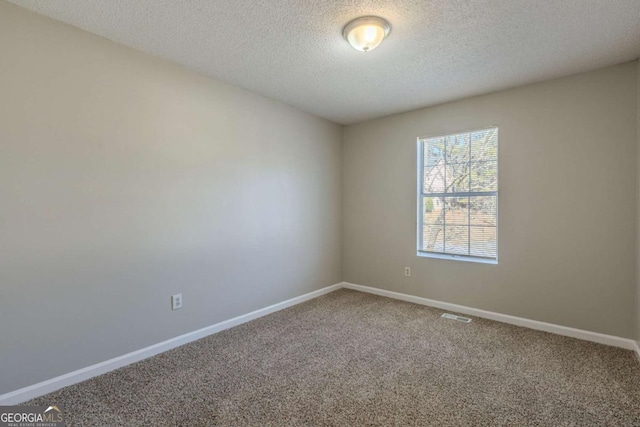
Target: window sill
x,y
458,258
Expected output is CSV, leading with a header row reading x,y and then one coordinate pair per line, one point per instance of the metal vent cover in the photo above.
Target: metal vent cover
x,y
456,317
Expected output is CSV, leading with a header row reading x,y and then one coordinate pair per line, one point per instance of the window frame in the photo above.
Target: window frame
x,y
421,194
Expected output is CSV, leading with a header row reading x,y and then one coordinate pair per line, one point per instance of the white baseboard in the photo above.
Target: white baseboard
x,y
611,340
48,386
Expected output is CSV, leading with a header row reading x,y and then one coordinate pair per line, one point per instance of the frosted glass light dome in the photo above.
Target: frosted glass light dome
x,y
366,33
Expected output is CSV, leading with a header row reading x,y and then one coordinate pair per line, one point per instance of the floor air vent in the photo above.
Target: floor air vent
x,y
458,318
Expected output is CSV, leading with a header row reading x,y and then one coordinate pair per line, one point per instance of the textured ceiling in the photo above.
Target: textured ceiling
x,y
438,51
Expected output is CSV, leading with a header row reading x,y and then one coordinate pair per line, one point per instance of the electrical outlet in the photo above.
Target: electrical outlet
x,y
176,301
407,271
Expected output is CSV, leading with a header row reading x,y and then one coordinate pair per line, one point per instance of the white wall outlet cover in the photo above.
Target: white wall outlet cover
x,y
407,271
176,301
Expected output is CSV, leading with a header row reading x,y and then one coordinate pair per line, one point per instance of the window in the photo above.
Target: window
x,y
458,196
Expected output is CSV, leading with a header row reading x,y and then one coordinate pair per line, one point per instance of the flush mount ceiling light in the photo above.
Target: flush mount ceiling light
x,y
366,33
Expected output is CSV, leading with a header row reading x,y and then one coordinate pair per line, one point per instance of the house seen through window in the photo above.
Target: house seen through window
x,y
458,196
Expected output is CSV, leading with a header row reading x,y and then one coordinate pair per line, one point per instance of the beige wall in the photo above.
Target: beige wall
x,y
125,179
567,159
638,211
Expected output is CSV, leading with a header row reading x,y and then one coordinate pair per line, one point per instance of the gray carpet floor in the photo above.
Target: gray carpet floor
x,y
354,359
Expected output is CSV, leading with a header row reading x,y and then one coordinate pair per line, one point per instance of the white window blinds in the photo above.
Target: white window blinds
x,y
458,195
